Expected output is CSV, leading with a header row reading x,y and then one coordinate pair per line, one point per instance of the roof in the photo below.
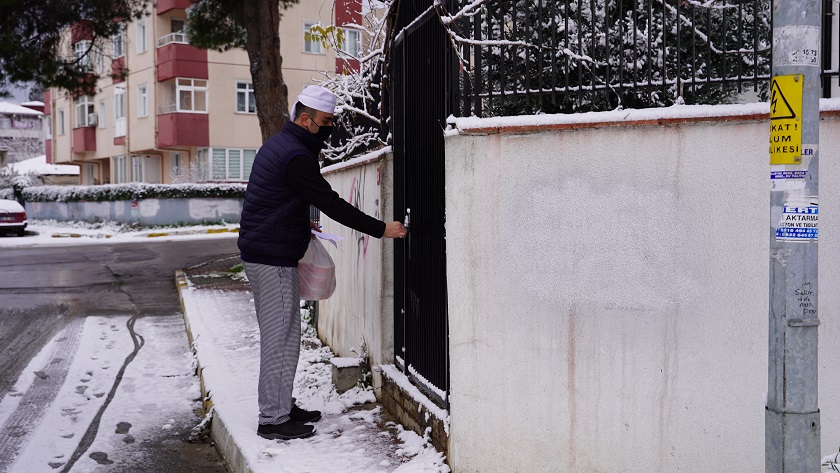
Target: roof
x,y
39,166
33,103
12,109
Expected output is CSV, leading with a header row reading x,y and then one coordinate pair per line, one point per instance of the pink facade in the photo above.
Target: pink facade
x,y
47,106
80,32
183,129
117,70
347,12
84,139
48,146
181,60
164,6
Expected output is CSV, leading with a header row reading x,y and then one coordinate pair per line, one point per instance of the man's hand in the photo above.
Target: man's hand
x,y
315,227
395,230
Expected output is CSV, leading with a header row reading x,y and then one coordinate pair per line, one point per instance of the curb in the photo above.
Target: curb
x,y
208,231
225,444
79,235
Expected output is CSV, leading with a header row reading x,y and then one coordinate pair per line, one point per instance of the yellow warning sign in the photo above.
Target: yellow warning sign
x,y
786,119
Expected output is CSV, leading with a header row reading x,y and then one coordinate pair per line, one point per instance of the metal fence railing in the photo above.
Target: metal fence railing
x,y
564,56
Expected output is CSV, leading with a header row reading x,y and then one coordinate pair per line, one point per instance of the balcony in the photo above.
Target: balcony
x,y
176,58
84,139
183,129
164,6
173,38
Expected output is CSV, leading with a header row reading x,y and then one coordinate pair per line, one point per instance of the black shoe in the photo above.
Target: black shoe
x,y
303,416
285,431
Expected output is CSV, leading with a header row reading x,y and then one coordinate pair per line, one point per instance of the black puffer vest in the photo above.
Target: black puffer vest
x,y
274,228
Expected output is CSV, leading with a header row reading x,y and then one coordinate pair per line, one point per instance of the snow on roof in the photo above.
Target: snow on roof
x,y
38,165
12,109
33,103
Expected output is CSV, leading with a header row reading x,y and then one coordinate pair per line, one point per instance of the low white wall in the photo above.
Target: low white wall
x,y
608,294
142,212
362,307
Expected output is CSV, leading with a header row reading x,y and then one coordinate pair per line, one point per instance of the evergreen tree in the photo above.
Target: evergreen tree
x,y
31,47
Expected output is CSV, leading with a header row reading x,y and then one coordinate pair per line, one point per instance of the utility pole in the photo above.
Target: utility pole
x,y
792,419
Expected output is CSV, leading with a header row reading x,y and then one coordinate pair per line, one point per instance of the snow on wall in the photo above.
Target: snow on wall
x,y
362,307
608,295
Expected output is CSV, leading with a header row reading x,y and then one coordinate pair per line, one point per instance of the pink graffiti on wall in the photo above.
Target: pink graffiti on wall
x,y
356,198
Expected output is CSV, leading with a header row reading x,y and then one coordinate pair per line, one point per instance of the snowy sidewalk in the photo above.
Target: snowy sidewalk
x,y
353,435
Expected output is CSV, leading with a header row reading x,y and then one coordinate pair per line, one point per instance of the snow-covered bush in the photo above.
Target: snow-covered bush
x,y
10,178
133,191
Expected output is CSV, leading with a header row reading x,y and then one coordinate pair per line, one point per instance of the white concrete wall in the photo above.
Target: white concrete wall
x,y
143,212
608,297
363,304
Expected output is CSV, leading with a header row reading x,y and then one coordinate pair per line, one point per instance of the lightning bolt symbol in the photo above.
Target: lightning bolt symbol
x,y
773,100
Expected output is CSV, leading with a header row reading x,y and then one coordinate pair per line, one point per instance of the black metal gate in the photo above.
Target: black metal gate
x,y
423,78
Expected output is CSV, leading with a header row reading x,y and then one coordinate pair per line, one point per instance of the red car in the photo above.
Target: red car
x,y
12,217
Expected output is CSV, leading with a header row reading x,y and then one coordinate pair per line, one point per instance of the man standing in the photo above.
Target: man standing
x,y
274,235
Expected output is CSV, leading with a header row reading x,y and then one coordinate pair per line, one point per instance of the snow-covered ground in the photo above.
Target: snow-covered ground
x,y
350,438
51,232
155,397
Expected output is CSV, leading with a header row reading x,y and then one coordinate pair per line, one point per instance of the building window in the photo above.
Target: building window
x,y
119,42
85,113
119,166
82,54
133,168
138,169
176,164
191,95
141,36
101,114
231,164
142,101
119,111
310,43
100,62
176,25
60,122
352,45
245,102
48,122
90,174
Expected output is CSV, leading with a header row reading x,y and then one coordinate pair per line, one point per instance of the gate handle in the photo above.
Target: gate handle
x,y
407,221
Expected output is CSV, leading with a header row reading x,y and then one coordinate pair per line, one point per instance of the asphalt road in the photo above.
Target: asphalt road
x,y
44,290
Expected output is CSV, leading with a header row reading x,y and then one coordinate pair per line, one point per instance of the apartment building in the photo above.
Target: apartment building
x,y
179,114
21,132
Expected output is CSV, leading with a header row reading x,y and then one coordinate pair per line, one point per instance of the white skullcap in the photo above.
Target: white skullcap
x,y
317,97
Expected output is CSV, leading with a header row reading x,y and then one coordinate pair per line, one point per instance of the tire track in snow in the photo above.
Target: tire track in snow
x,y
93,428
41,393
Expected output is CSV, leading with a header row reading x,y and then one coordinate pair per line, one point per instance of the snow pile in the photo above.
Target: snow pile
x,y
351,437
54,233
38,165
832,462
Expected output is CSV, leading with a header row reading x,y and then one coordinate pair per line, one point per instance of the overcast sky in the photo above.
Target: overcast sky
x,y
18,95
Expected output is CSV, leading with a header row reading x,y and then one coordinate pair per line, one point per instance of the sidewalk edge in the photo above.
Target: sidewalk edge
x,y
225,443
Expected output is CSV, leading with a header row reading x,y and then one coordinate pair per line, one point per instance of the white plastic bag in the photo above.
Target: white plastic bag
x,y
316,273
